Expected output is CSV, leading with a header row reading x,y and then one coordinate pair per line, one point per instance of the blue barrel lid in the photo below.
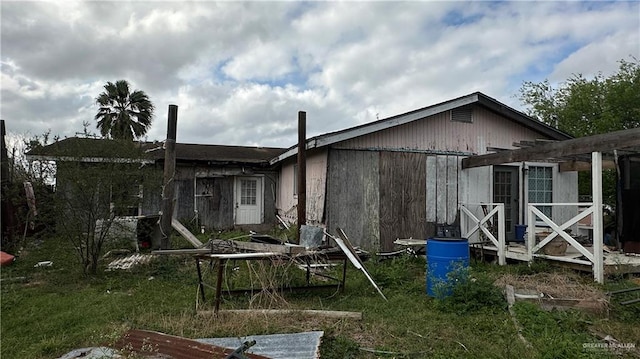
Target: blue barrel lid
x,y
448,239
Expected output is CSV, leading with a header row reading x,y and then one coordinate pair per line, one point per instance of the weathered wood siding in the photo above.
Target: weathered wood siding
x,y
287,200
353,196
215,204
440,133
183,208
442,188
402,197
205,195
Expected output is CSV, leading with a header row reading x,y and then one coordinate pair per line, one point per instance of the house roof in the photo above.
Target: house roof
x,y
474,98
96,150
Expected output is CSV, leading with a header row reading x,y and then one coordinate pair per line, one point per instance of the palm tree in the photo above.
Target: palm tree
x,y
123,114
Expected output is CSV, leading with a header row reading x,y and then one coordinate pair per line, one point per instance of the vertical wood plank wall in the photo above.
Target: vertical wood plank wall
x,y
378,196
402,197
353,196
216,210
442,182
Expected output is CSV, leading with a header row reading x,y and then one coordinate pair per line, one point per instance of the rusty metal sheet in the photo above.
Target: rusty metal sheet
x,y
160,345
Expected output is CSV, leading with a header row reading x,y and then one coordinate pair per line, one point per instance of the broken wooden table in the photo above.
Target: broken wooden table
x,y
222,258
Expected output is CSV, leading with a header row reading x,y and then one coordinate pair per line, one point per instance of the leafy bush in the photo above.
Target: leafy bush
x,y
466,292
404,272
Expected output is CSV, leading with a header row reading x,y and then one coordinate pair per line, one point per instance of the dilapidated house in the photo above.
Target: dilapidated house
x,y
217,187
401,177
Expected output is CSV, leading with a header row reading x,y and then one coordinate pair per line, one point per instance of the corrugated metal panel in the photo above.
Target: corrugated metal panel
x,y
157,344
439,133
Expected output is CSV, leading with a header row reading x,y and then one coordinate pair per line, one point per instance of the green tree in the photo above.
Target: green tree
x,y
123,114
98,181
587,106
583,107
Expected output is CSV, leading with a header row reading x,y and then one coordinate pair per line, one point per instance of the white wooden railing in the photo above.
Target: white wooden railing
x,y
497,209
594,259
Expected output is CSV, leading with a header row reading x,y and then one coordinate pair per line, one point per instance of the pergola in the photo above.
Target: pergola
x,y
584,153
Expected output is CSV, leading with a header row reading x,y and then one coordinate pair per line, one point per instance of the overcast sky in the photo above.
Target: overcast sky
x,y
240,71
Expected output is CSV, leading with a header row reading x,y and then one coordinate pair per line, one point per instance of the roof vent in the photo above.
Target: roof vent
x,y
462,114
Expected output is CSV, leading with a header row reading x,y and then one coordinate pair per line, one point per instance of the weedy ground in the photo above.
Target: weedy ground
x,y
48,311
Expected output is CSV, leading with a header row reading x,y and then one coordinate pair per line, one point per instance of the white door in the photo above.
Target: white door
x,y
248,200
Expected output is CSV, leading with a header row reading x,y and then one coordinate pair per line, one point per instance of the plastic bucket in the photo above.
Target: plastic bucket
x,y
444,256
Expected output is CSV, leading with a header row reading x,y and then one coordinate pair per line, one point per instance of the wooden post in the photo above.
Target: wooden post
x,y
598,232
4,176
168,184
302,170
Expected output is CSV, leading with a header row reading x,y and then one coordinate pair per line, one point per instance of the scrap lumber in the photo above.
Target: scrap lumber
x,y
510,293
320,313
144,342
184,232
266,247
231,245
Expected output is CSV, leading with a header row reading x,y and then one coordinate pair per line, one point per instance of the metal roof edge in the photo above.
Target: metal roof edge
x,y
365,129
521,118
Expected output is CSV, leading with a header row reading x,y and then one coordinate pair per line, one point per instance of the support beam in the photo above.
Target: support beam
x,y
168,184
576,146
598,231
302,170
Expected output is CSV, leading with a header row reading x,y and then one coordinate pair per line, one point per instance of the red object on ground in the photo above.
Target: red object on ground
x,y
168,346
6,259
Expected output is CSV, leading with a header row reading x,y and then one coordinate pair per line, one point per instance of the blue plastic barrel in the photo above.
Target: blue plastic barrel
x,y
444,255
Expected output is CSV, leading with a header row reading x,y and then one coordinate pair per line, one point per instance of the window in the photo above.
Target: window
x,y
248,192
541,187
126,200
462,114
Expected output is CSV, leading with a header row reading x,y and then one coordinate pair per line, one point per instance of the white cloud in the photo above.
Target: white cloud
x,y
240,71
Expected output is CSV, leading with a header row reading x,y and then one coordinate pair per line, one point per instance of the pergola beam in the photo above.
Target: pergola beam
x,y
567,148
582,166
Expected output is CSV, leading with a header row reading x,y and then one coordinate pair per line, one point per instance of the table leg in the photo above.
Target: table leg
x,y
200,283
344,275
221,265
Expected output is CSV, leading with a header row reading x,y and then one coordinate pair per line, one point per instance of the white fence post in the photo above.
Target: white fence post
x,y
598,233
501,236
531,232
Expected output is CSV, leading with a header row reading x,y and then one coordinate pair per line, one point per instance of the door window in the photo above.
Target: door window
x,y
248,192
541,187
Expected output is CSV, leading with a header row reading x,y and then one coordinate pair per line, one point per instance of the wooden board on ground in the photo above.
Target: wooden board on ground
x,y
287,312
184,232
